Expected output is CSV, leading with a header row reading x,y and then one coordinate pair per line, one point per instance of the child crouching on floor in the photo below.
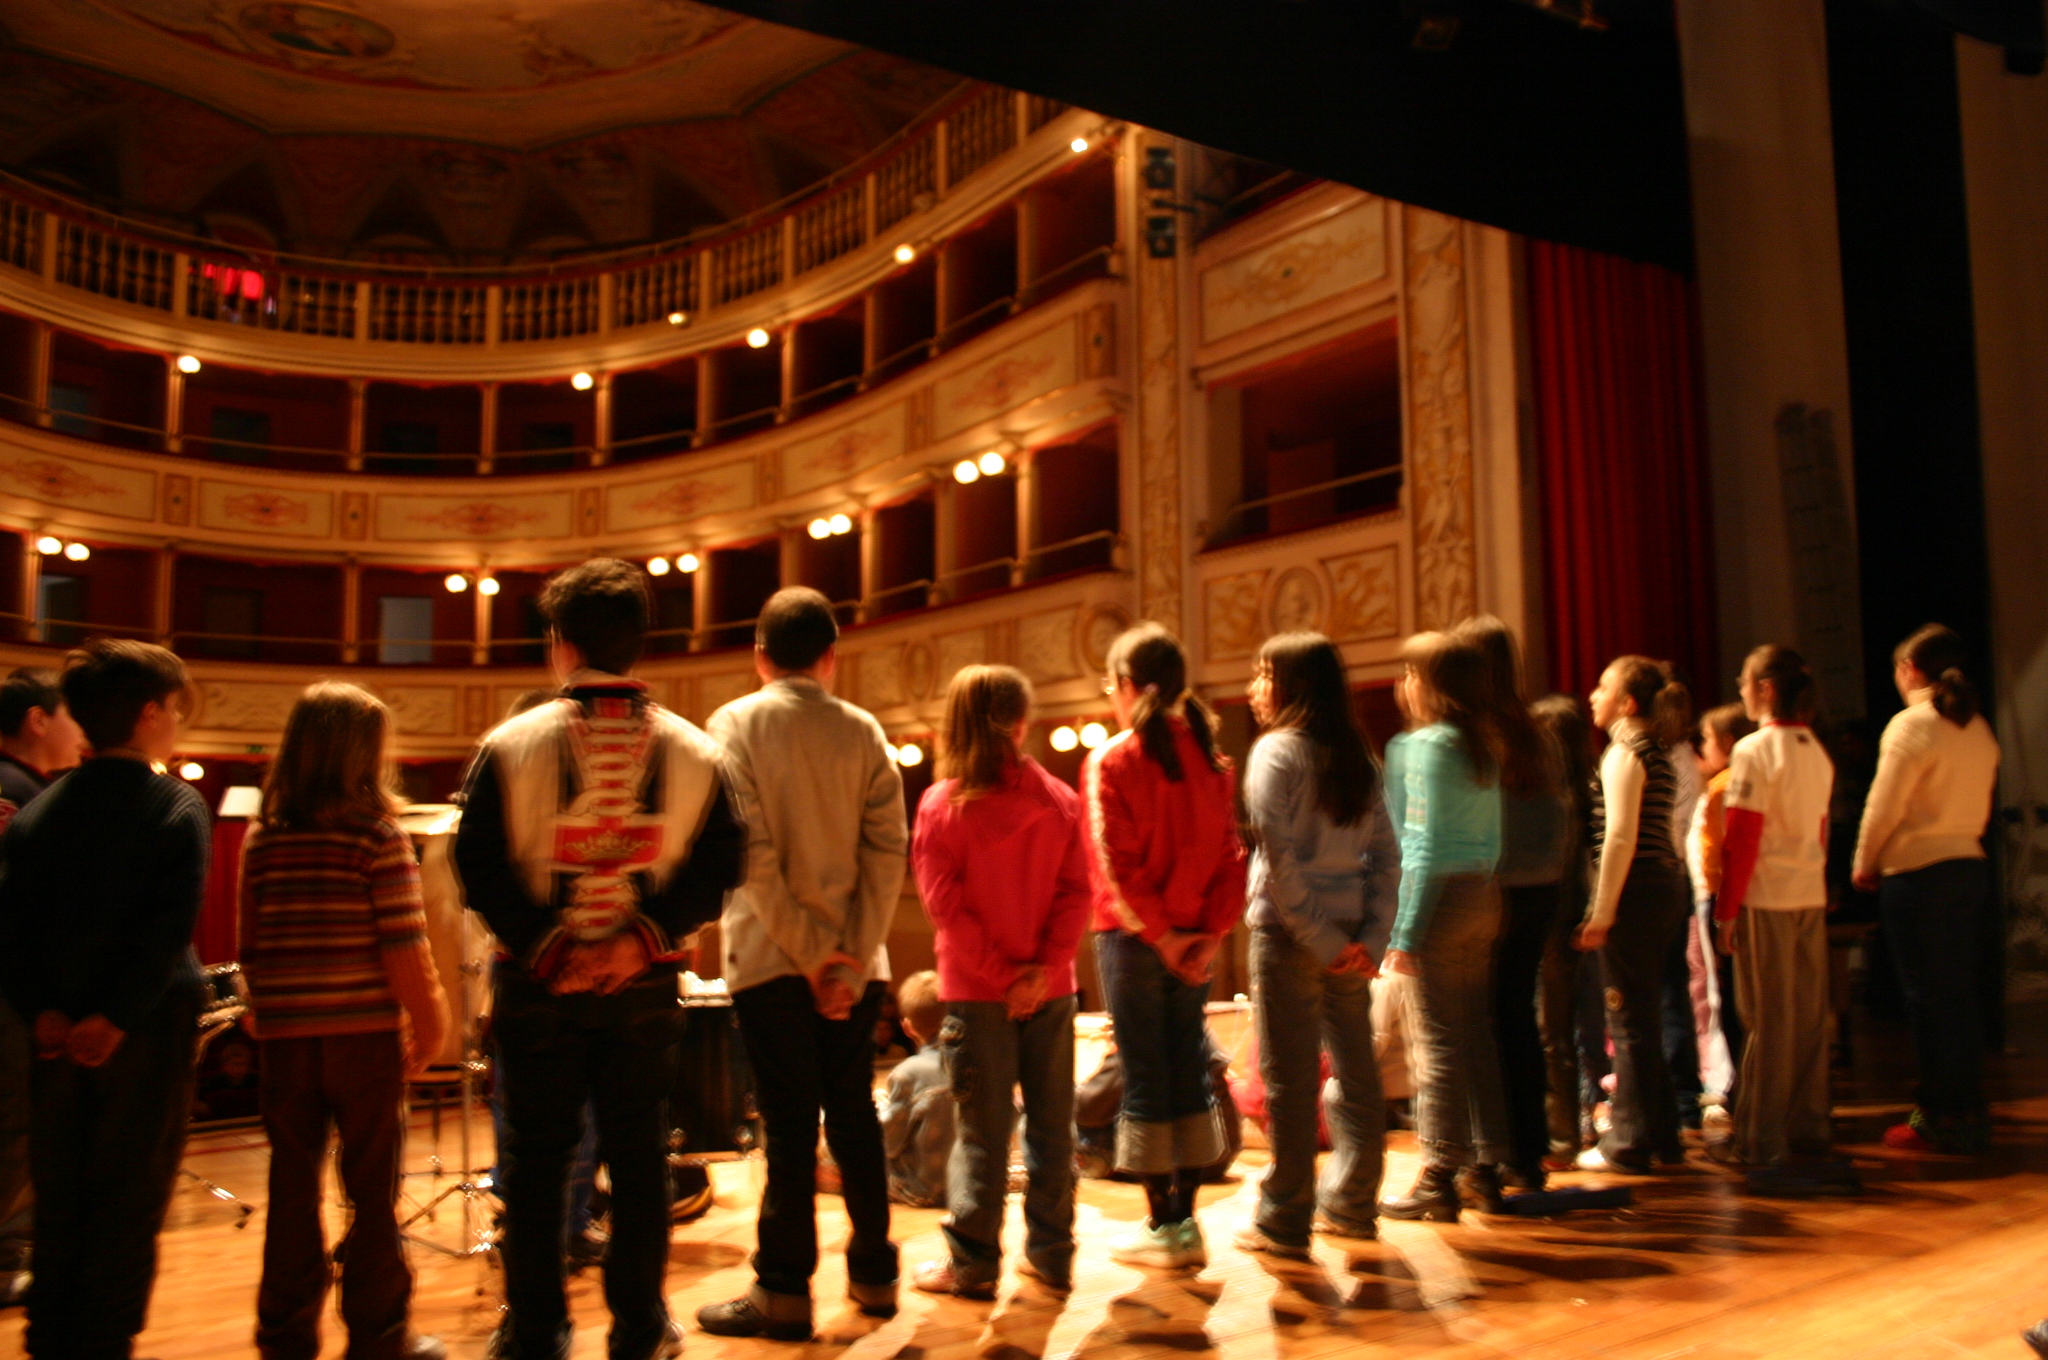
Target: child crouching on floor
x,y
917,1120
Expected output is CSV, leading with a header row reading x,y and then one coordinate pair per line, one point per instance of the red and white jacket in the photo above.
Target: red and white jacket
x,y
1166,853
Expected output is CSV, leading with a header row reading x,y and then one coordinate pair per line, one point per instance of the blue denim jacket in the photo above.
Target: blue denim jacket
x,y
1328,885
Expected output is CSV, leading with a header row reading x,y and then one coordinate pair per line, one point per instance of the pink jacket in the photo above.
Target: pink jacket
x,y
1166,853
1004,879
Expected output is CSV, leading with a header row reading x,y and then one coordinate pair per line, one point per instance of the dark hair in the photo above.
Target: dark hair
x,y
24,689
332,765
600,608
796,628
1728,722
1452,676
1312,696
1791,681
1662,700
984,704
1934,650
109,681
1528,766
1151,659
1563,721
917,999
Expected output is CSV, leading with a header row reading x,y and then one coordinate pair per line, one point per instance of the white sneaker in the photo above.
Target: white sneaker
x,y
1162,1248
1193,1250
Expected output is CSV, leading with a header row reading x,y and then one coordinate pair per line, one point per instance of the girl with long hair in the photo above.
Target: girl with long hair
x,y
1535,838
1168,871
1325,876
1638,906
1922,849
1002,866
1570,1014
1772,914
347,1008
1447,920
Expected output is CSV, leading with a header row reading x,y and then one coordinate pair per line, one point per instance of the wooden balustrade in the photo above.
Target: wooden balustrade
x,y
20,241
554,309
426,314
95,261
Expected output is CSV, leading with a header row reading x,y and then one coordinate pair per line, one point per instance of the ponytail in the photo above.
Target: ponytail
x,y
1152,660
1663,703
1937,653
1791,681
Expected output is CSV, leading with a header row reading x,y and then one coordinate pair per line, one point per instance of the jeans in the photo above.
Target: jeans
x,y
807,1064
1461,1117
1302,1012
16,1199
1557,1009
105,1146
555,1053
1681,1027
1931,914
988,1057
1531,918
1168,1118
353,1084
1655,901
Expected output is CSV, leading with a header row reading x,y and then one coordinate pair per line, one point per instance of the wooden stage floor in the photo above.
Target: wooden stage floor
x,y
1939,1258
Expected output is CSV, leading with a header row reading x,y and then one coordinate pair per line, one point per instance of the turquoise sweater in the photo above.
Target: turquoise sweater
x,y
1449,824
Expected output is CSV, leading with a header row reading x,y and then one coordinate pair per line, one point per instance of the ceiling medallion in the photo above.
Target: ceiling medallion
x,y
317,30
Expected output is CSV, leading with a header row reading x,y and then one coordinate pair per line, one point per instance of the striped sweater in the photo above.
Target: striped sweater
x,y
321,911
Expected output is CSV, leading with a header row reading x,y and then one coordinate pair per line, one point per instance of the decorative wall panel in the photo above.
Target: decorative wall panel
x,y
245,705
423,710
955,650
1439,420
706,491
816,462
1030,368
1231,614
239,506
79,483
1304,267
433,519
1365,599
1045,645
716,691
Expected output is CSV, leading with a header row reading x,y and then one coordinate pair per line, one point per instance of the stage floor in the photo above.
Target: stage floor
x,y
1939,1258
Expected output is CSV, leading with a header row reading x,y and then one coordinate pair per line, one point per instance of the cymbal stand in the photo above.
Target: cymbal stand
x,y
479,1238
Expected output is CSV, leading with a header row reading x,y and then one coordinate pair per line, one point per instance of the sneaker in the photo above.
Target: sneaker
x,y
940,1277
2037,1337
1160,1248
1061,1284
1593,1159
1906,1138
1367,1231
873,1300
743,1317
1252,1237
671,1344
1194,1251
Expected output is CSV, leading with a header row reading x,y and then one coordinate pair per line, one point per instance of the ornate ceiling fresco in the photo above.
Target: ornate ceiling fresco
x,y
453,130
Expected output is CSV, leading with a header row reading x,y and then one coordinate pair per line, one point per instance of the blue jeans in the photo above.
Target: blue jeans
x,y
1168,1119
1932,914
988,1057
1461,1114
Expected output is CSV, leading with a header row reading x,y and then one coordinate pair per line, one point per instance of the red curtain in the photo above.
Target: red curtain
x,y
1620,444
215,937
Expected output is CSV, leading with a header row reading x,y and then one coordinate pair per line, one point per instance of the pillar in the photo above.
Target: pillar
x,y
358,416
700,603
945,538
791,552
707,399
174,407
163,601
1025,464
41,341
351,611
31,586
480,654
787,407
870,560
1153,436
601,420
1027,249
487,430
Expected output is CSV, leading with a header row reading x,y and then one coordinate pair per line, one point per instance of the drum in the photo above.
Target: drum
x,y
225,998
460,942
711,1111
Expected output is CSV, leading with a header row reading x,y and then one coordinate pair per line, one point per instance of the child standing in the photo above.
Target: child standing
x,y
1775,865
1718,1025
917,1119
1169,873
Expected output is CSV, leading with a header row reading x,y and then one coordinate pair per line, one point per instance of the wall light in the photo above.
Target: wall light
x,y
582,382
188,363
1093,735
1078,145
992,464
49,545
687,563
487,586
678,318
821,528
905,253
909,754
456,583
657,566
893,751
758,338
966,471
840,524
191,770
1065,739
77,552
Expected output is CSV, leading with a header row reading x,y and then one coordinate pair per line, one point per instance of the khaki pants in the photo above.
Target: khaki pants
x,y
1782,1103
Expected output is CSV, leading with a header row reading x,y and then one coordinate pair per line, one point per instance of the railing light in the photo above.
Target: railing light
x,y
1078,145
821,528
456,583
191,771
1064,739
582,382
188,363
77,552
678,318
966,471
992,464
840,524
758,338
49,545
909,754
687,563
905,253
1093,735
487,586
657,566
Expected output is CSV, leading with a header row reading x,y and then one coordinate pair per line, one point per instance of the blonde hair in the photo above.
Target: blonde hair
x,y
332,764
984,704
917,1000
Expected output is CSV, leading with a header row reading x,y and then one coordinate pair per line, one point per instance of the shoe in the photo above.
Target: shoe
x,y
873,1300
1434,1198
1593,1159
1479,1188
1194,1251
1252,1237
14,1288
2037,1337
743,1317
1906,1138
671,1343
693,1194
940,1277
1526,1177
1061,1284
1363,1232
1161,1248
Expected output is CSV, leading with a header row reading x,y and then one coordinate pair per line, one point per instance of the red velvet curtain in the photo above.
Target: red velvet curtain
x,y
1620,444
215,936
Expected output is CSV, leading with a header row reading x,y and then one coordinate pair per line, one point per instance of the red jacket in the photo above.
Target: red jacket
x,y
1004,879
1166,853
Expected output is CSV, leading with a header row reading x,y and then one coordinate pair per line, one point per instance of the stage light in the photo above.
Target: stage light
x,y
840,524
890,749
1078,145
657,566
188,363
77,552
909,754
49,545
487,586
758,338
1065,739
192,770
678,318
965,471
905,253
582,382
821,528
456,583
992,464
687,563
1093,735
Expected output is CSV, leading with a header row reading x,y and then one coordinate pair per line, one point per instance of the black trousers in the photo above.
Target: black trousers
x,y
104,1145
1654,903
555,1053
1681,1033
1932,914
805,1064
1524,1073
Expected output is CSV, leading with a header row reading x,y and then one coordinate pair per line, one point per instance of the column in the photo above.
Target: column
x,y
487,431
601,420
945,537
1025,466
351,610
870,560
40,342
31,586
480,654
791,552
164,597
358,409
1027,249
870,335
700,603
1154,434
787,409
174,407
942,294
707,398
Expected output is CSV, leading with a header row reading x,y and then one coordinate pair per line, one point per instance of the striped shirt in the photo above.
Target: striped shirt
x,y
1655,818
319,910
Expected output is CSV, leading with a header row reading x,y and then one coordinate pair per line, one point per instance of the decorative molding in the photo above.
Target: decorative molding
x,y
1099,628
422,710
878,678
237,505
1032,367
1047,644
958,650
245,705
1308,266
177,499
836,454
1231,615
716,691
1365,597
78,483
355,515
664,503
1439,419
1297,602
1098,340
431,519
1161,545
